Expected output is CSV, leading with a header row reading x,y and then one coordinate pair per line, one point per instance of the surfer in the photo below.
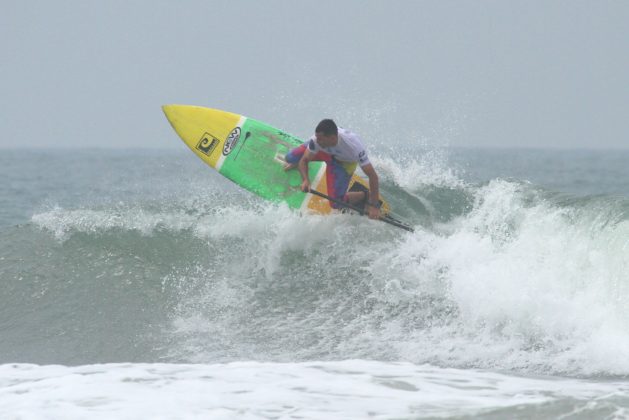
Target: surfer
x,y
341,150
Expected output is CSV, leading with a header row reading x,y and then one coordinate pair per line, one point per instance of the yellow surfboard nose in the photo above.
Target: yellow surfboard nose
x,y
186,115
177,114
204,130
169,110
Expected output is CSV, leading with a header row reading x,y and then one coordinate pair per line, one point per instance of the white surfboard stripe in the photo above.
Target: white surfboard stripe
x,y
315,185
221,159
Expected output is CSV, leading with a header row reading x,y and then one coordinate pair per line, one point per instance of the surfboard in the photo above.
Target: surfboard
x,y
251,154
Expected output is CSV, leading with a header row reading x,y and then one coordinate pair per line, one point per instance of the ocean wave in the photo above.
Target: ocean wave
x,y
501,275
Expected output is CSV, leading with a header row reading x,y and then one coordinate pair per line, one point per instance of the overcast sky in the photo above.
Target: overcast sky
x,y
461,73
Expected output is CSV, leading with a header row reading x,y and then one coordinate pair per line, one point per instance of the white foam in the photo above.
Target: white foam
x,y
352,389
534,287
63,223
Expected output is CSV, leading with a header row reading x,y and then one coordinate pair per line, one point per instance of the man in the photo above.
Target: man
x,y
342,151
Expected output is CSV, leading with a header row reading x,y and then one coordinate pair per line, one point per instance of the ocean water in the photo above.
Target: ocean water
x,y
141,284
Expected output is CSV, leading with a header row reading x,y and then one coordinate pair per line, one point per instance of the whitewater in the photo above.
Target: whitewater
x,y
140,283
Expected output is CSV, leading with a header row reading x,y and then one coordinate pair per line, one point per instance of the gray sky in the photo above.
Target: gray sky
x,y
460,73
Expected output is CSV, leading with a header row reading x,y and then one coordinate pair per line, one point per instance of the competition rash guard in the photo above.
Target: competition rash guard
x,y
349,149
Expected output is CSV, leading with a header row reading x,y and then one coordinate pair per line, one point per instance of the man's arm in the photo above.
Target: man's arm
x,y
374,193
303,171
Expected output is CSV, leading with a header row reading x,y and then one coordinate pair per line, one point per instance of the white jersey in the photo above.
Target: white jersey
x,y
350,148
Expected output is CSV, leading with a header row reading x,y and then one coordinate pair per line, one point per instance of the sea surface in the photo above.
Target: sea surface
x,y
141,284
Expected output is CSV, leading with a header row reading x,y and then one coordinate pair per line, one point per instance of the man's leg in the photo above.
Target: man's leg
x,y
337,175
358,198
337,178
293,156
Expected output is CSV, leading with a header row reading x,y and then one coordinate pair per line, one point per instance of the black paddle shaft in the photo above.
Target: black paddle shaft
x,y
385,219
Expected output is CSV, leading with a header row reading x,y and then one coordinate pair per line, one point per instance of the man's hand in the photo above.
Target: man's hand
x,y
305,186
373,212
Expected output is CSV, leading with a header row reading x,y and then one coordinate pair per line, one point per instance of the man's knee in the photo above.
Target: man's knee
x,y
292,157
295,154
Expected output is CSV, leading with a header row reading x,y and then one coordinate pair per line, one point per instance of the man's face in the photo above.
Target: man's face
x,y
327,141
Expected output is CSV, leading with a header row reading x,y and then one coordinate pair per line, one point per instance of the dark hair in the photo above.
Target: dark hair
x,y
327,127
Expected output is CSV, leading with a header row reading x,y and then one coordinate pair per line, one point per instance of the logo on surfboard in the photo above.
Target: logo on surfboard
x,y
231,141
207,144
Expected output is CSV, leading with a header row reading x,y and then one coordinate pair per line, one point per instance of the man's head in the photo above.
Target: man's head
x,y
327,133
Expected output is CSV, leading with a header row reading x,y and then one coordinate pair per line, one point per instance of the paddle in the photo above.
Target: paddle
x,y
386,219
